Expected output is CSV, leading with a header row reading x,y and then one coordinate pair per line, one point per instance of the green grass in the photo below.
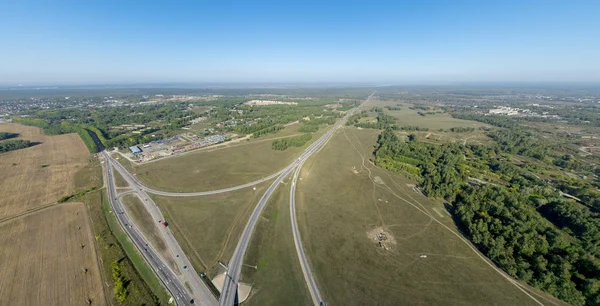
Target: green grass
x,y
119,180
352,269
218,168
408,116
112,244
208,227
278,280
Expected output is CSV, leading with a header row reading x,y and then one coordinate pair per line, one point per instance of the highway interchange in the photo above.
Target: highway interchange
x,y
187,288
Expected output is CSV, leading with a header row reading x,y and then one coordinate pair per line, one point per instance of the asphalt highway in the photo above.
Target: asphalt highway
x,y
200,294
167,277
229,293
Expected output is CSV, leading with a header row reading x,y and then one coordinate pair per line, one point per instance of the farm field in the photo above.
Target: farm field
x,y
208,227
218,168
278,278
42,260
25,183
341,221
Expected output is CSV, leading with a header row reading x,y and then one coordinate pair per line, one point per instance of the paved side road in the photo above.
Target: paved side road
x,y
167,277
188,279
229,293
195,194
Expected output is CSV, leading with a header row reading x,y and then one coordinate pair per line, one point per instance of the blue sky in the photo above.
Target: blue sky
x,y
395,42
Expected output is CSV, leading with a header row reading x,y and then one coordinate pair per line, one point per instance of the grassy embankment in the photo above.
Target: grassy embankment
x,y
112,244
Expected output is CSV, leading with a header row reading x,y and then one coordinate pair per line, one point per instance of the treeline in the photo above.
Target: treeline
x,y
268,130
62,128
499,121
75,195
383,120
284,143
510,222
312,125
354,119
7,135
308,128
460,129
257,126
393,107
120,283
412,128
439,168
427,113
420,106
11,145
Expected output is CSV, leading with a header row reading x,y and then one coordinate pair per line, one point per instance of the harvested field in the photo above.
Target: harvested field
x,y
42,261
24,183
426,264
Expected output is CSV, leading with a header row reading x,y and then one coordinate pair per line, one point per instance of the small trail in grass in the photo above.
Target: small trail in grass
x,y
525,289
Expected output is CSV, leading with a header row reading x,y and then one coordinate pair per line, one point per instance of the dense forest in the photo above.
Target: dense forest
x,y
521,223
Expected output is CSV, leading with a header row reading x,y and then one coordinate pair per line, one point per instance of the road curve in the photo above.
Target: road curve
x,y
198,193
229,293
199,291
308,277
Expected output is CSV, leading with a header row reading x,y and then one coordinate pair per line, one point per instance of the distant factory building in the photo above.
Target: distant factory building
x,y
135,150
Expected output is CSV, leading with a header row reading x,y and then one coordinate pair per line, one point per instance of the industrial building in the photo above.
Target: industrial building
x,y
135,150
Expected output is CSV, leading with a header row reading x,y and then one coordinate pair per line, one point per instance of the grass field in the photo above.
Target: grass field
x,y
208,227
340,218
112,244
24,183
42,260
119,180
278,278
143,220
218,168
407,116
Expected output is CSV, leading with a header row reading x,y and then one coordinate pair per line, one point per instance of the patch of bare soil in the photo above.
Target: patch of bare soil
x,y
381,237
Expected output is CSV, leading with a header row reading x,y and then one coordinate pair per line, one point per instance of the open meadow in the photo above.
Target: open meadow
x,y
407,116
372,240
217,168
208,227
48,258
41,174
